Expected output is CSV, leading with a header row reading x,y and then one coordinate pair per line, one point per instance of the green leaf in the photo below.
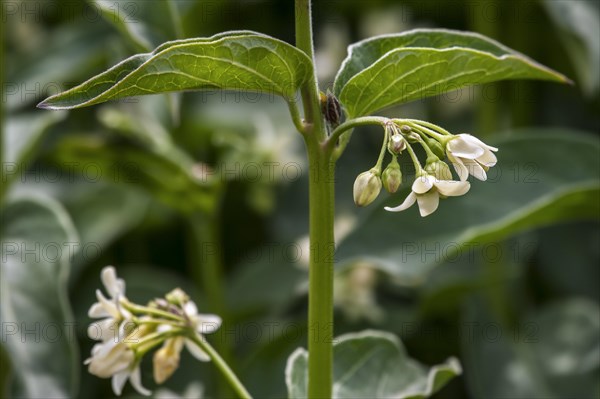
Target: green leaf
x,y
38,329
542,177
173,180
239,60
392,69
372,364
22,136
145,24
553,353
579,29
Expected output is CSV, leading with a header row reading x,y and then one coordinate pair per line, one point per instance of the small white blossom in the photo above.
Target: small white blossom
x,y
116,360
469,155
108,309
166,359
426,191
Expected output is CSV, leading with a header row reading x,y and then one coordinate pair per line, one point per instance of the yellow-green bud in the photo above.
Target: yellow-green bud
x,y
166,359
392,177
435,147
439,169
366,187
397,144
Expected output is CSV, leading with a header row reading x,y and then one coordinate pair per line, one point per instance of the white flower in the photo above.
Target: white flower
x,y
166,359
202,324
116,360
426,191
133,374
108,309
469,155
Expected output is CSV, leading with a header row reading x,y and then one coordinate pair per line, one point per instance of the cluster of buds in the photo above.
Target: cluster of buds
x,y
128,331
467,154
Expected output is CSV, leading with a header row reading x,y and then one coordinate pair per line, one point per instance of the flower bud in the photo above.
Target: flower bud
x,y
366,187
435,147
166,359
177,297
397,144
405,129
439,169
392,177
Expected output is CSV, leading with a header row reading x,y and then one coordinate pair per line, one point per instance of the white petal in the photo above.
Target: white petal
x,y
488,159
103,330
136,381
478,142
98,311
196,351
451,188
410,199
118,381
207,323
190,309
109,306
428,202
475,141
475,170
463,147
422,184
114,285
459,167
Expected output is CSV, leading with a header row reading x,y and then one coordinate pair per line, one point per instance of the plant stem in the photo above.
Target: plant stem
x,y
321,210
352,123
229,375
310,90
320,294
207,270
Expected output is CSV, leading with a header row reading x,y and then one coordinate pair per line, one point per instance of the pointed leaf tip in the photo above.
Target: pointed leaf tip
x,y
239,60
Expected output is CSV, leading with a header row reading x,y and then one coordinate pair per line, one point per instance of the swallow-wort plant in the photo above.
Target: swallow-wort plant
x,y
377,73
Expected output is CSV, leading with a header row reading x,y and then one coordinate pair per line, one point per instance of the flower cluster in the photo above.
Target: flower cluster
x,y
434,181
127,331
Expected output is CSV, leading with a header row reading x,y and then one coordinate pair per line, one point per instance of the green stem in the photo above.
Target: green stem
x,y
320,296
383,151
229,375
351,124
207,269
321,210
310,89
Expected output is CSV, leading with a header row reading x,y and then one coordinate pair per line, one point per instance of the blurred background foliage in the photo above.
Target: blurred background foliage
x,y
506,278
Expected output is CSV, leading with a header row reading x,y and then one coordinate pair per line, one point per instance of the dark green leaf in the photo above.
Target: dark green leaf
x,y
38,330
240,60
392,69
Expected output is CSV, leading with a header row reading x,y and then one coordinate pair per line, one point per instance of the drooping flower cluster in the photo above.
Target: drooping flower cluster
x,y
127,331
434,181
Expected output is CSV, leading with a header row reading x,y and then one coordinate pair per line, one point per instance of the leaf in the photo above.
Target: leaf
x,y
542,177
170,179
145,24
238,60
100,209
38,329
372,364
579,24
66,55
392,69
22,136
554,353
